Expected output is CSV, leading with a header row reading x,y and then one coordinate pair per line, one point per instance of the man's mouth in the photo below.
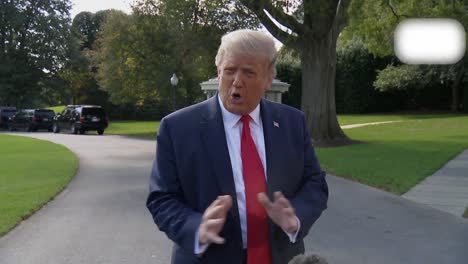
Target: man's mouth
x,y
236,98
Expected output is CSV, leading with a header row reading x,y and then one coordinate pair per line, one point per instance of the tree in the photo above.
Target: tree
x,y
402,77
115,44
79,71
375,22
138,53
355,74
33,39
311,28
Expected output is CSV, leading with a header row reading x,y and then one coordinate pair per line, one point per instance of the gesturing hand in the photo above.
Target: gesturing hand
x,y
280,211
213,220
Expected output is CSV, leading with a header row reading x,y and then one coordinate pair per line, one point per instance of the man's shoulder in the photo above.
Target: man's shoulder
x,y
190,112
188,120
282,109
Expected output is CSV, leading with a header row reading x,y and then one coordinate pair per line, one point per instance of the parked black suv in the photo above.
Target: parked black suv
x,y
81,118
32,120
5,113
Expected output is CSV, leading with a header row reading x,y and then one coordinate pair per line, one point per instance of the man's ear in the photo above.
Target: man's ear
x,y
268,83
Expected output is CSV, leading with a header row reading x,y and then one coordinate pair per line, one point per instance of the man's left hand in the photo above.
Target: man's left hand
x,y
280,211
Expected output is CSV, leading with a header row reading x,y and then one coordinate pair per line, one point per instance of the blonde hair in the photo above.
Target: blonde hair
x,y
248,42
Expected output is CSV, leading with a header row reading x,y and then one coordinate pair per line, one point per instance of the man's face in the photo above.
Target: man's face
x,y
243,80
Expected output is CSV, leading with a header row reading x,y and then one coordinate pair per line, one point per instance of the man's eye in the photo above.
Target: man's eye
x,y
228,71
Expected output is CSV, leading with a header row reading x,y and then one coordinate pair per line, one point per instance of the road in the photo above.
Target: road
x,y
101,217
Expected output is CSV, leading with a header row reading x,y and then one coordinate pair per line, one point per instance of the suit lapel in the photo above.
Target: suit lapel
x,y
214,141
272,134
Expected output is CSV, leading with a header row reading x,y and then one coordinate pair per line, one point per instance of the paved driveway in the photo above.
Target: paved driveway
x,y
101,217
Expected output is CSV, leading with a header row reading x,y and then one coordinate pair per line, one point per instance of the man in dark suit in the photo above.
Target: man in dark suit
x,y
236,179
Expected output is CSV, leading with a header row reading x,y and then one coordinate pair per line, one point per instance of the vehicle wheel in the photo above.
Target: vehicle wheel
x,y
56,128
100,132
49,130
73,129
10,128
29,129
82,131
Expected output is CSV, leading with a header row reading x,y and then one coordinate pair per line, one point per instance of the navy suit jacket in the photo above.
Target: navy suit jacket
x,y
192,168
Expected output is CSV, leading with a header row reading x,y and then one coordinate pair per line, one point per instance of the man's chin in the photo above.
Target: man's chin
x,y
237,109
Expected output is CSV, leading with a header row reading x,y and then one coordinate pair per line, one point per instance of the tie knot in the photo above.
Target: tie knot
x,y
246,119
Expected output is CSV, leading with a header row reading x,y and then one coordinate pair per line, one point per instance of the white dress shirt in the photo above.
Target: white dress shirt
x,y
233,129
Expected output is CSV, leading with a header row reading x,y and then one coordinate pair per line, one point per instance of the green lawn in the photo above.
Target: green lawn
x,y
57,109
394,157
32,172
466,213
146,129
397,156
370,118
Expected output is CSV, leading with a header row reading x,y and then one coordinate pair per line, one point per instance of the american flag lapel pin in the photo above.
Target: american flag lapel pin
x,y
275,124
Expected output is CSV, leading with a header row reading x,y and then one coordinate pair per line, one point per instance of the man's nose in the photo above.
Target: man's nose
x,y
237,79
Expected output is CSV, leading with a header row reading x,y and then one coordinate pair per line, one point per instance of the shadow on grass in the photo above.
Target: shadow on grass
x,y
143,135
433,116
418,115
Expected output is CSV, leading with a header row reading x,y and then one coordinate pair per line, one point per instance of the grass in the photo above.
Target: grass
x,y
32,172
145,129
394,157
370,118
466,213
397,156
57,109
148,129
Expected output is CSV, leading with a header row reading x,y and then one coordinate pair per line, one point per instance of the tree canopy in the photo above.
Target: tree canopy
x,y
33,46
138,53
310,27
375,22
79,71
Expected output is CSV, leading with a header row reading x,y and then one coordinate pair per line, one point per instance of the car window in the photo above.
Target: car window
x,y
45,113
8,112
94,112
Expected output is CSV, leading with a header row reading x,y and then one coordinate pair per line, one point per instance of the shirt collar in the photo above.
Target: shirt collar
x,y
230,119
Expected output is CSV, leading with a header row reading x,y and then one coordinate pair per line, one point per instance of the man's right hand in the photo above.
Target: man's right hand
x,y
213,220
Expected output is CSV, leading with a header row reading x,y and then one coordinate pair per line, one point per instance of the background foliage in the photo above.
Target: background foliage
x,y
33,46
137,54
124,61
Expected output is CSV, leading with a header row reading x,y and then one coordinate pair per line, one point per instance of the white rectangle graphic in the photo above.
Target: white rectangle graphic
x,y
430,41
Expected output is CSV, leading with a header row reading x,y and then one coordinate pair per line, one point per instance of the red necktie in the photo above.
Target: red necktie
x,y
258,243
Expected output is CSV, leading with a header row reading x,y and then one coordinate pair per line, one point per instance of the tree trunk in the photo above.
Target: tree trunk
x,y
456,87
318,59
